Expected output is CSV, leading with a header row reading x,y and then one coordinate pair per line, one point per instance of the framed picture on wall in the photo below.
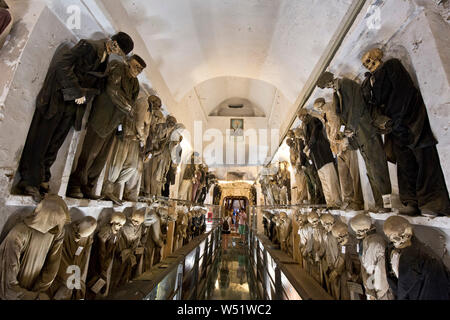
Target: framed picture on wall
x,y
237,127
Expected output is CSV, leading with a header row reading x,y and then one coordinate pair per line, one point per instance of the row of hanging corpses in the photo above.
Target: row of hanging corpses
x,y
48,256
354,262
275,183
323,147
127,131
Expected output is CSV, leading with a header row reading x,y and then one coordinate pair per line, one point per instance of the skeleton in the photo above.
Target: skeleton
x,y
284,183
304,232
181,226
152,238
76,251
284,230
415,272
102,257
347,267
129,256
31,252
372,256
315,247
330,259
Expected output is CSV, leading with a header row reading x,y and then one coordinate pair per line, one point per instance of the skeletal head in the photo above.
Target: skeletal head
x,y
340,232
372,59
325,80
84,227
117,221
361,224
327,221
154,102
137,217
318,104
313,219
291,134
399,231
301,218
302,114
298,133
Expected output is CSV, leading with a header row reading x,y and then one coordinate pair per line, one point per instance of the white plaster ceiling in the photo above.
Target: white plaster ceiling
x,y
276,41
217,93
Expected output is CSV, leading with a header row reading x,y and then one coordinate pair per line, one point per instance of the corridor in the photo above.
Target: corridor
x,y
231,279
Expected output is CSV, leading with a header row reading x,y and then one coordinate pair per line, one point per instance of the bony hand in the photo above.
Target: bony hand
x,y
81,100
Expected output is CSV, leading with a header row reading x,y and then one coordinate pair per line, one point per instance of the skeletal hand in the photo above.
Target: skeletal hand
x,y
81,100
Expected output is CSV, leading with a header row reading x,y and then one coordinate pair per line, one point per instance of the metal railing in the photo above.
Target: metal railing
x,y
180,276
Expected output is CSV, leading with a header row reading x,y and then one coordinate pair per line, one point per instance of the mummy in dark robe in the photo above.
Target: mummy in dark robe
x,y
410,142
76,251
414,271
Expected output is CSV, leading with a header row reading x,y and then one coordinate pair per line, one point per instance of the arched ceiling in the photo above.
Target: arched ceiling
x,y
214,94
276,41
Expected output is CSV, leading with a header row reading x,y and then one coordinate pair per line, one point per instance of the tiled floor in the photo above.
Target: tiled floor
x,y
231,281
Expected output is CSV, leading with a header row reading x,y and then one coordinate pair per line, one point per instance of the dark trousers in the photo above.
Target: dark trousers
x,y
44,140
420,178
377,168
92,160
314,186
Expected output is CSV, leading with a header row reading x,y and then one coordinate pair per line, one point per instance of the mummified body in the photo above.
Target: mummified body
x,y
31,252
371,248
316,249
128,256
76,251
284,230
356,117
410,143
102,257
414,271
347,269
71,82
109,111
330,260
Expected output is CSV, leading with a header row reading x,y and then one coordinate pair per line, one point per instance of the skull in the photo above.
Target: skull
x,y
340,232
291,134
301,219
325,80
318,104
137,217
361,224
117,221
372,59
298,133
399,231
84,227
313,219
283,217
327,221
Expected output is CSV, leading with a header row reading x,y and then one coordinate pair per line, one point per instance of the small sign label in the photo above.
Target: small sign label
x,y
310,162
342,129
120,127
357,247
343,249
79,250
387,202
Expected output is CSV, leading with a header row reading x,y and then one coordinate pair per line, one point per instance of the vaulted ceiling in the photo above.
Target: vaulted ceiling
x,y
277,42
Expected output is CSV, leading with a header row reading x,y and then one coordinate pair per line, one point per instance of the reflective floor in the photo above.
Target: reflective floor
x,y
231,279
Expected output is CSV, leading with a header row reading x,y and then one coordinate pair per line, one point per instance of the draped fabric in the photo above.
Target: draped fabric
x,y
30,256
74,253
421,274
